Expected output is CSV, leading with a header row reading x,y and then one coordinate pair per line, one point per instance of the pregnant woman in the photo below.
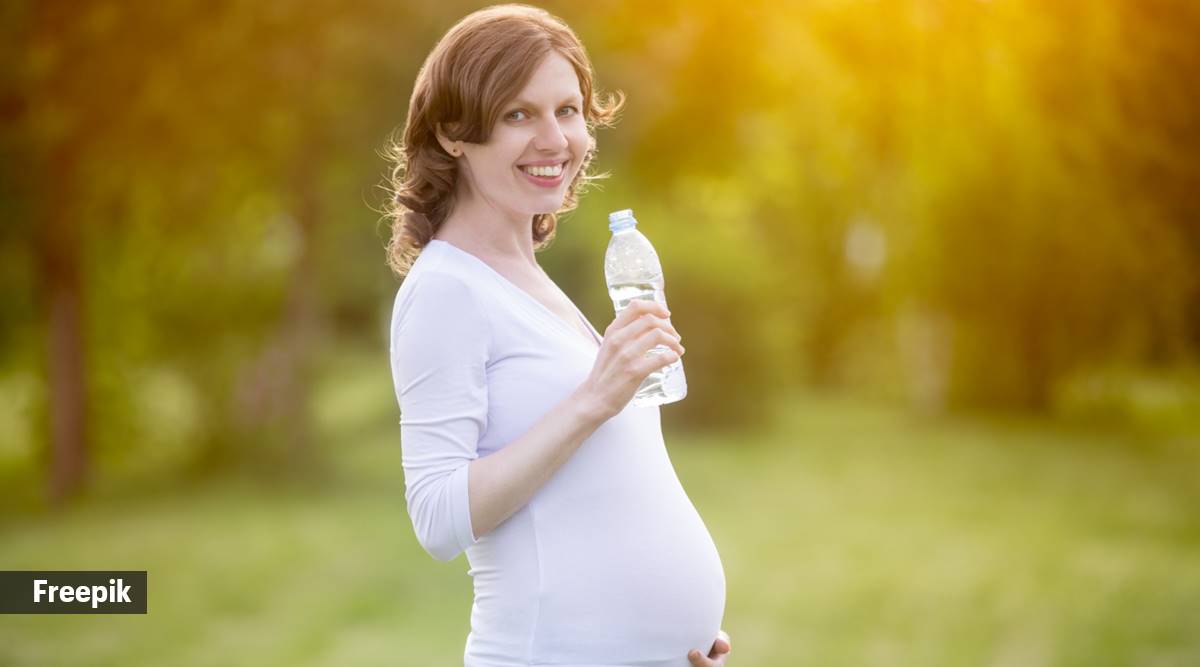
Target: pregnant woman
x,y
520,443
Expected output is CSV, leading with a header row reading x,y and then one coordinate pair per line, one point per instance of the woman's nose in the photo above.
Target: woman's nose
x,y
550,136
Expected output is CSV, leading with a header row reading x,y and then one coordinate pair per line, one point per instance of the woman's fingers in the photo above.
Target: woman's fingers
x,y
697,659
655,337
719,647
654,362
634,310
722,645
651,362
636,327
716,657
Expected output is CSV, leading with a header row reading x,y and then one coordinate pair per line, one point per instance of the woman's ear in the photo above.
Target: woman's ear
x,y
452,147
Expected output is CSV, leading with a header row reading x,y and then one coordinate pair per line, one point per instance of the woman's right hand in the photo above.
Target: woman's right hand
x,y
622,363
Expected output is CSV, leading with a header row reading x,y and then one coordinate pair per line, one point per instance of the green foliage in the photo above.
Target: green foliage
x,y
960,204
850,534
727,367
1165,402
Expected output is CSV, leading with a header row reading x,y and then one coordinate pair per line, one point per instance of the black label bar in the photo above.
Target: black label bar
x,y
72,592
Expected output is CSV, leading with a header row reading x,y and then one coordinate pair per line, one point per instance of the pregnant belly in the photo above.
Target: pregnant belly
x,y
631,577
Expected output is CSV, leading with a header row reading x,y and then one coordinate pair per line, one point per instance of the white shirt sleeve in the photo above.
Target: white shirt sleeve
x,y
439,350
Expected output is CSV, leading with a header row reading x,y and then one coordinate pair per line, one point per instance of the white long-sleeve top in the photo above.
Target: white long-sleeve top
x,y
609,564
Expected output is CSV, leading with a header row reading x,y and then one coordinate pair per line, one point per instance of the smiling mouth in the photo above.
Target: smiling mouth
x,y
549,171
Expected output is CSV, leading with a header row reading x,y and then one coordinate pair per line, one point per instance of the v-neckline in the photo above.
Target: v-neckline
x,y
596,341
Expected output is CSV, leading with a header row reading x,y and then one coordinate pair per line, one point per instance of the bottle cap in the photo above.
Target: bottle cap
x,y
623,219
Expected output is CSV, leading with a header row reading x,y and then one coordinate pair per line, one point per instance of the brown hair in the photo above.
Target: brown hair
x,y
478,66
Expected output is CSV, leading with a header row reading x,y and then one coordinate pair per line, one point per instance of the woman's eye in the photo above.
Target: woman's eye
x,y
513,115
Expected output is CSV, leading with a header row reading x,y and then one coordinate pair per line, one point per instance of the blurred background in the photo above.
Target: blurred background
x,y
937,265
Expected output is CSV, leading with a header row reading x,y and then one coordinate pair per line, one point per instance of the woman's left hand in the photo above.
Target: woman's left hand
x,y
716,657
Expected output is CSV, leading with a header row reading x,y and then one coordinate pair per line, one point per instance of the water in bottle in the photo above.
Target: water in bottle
x,y
632,271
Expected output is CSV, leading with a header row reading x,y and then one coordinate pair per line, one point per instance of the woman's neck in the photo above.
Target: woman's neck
x,y
478,231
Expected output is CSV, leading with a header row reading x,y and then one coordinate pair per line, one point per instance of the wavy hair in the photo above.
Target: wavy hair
x,y
479,65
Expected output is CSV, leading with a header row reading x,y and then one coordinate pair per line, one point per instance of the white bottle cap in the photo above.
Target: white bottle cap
x,y
621,219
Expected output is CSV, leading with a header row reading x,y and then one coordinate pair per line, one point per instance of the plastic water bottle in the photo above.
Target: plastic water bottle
x,y
632,271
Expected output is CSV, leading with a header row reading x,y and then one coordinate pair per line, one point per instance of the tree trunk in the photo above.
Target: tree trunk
x,y
62,308
272,391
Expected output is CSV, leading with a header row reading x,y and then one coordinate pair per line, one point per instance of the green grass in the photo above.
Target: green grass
x,y
855,534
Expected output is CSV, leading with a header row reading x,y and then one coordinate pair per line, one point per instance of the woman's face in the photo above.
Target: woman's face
x,y
535,148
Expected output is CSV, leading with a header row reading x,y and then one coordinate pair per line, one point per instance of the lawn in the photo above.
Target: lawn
x,y
852,534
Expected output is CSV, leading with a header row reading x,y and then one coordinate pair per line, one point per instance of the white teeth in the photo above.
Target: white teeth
x,y
545,172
